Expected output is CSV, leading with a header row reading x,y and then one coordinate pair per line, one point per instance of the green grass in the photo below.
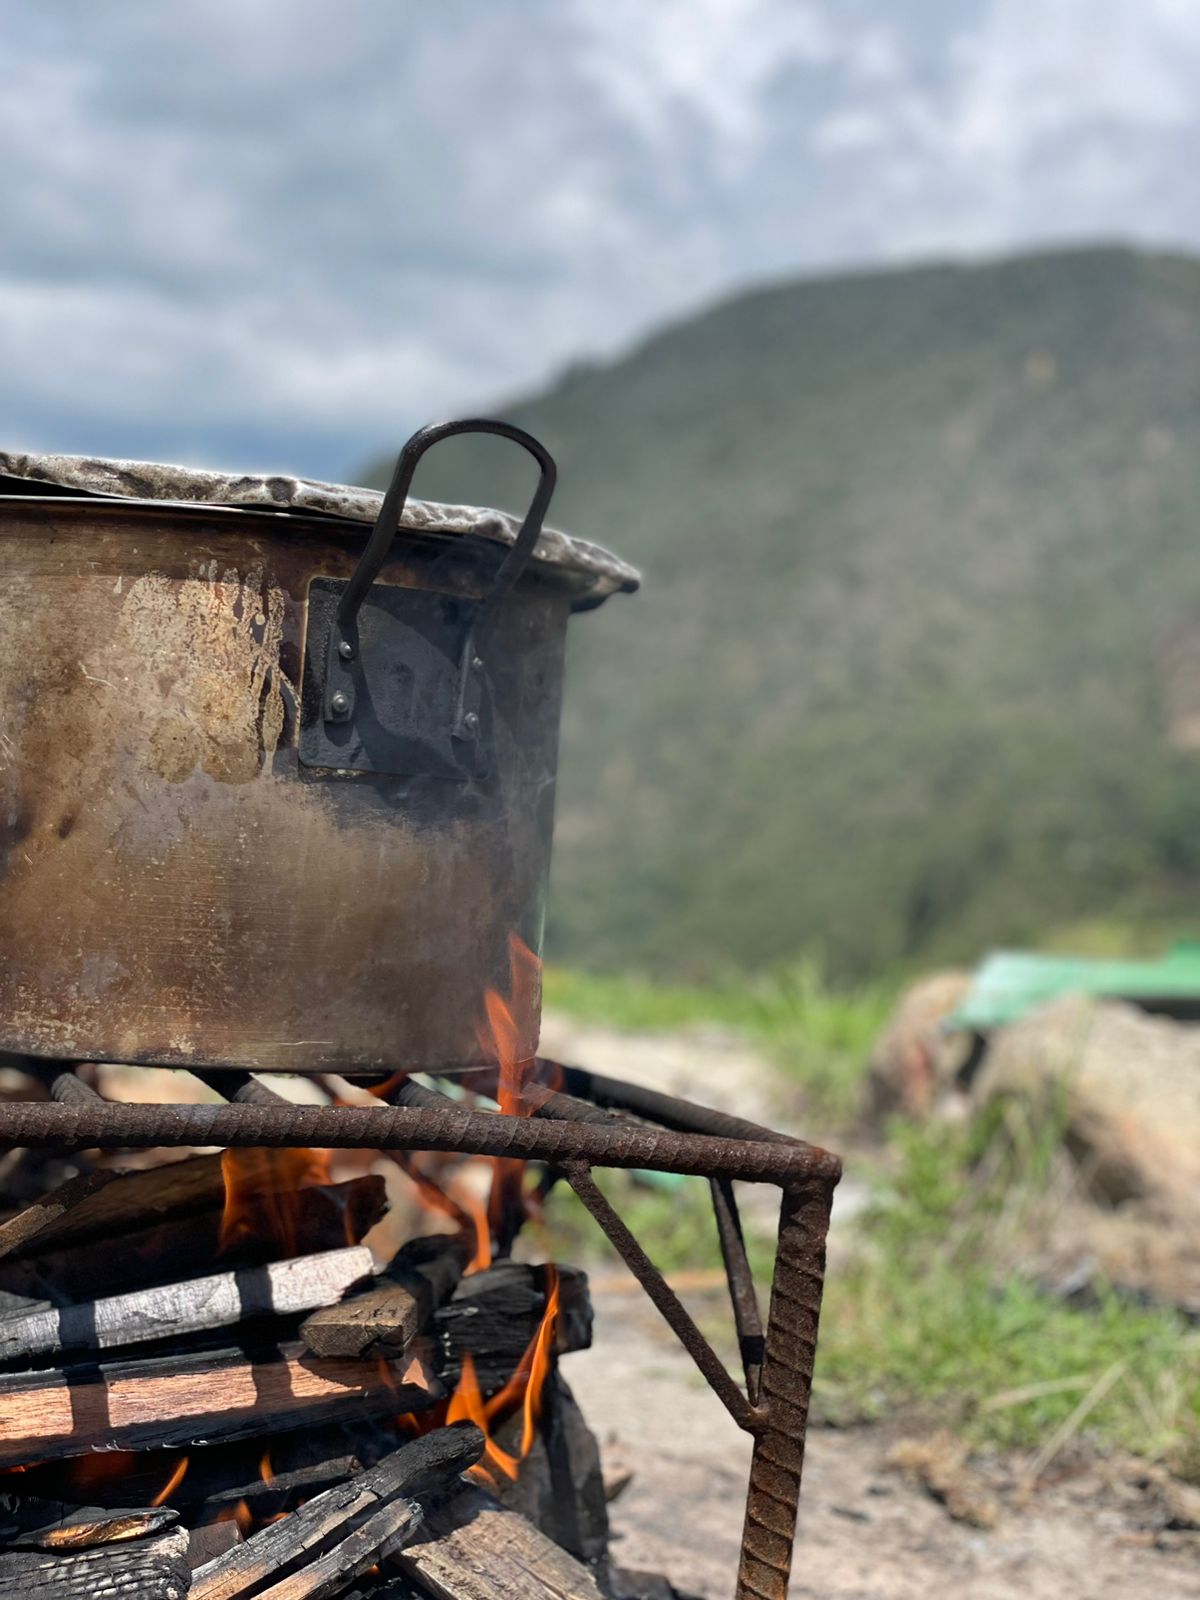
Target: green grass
x,y
819,1035
930,1316
933,1317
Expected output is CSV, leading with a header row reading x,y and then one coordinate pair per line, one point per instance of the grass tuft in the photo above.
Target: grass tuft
x,y
933,1311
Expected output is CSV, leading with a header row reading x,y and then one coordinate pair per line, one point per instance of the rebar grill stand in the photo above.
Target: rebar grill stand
x,y
596,1122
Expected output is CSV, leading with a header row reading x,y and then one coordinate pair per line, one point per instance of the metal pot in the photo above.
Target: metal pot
x,y
268,798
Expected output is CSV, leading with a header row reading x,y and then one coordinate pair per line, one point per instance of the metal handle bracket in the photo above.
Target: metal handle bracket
x,y
403,674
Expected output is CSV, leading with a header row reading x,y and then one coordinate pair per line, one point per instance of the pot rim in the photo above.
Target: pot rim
x,y
150,482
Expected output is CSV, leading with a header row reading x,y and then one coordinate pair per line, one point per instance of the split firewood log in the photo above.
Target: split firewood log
x,y
100,1205
172,1400
386,1317
175,1310
471,1548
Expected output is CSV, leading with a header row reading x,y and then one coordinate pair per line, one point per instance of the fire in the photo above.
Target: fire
x,y
524,1391
510,1037
172,1483
526,1386
381,1091
259,1190
454,1201
448,1198
468,1405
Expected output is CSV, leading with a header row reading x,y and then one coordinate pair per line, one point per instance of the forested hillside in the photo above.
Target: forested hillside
x,y
916,667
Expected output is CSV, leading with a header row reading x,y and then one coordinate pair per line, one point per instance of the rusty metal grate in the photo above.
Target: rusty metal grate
x,y
592,1121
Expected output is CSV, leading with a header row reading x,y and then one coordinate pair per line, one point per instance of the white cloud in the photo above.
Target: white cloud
x,y
852,128
286,229
670,66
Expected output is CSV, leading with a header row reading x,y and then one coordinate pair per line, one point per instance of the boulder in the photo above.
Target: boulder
x,y
915,1064
1124,1087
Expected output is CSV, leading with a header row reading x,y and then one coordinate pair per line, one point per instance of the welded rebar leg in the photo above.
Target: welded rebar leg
x,y
774,1493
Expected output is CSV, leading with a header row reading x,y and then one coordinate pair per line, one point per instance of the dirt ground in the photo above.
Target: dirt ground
x,y
866,1532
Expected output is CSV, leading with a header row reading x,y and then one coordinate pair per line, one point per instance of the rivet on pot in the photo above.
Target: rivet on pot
x,y
339,702
470,722
346,650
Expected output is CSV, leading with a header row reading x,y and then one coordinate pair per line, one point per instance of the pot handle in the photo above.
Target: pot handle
x,y
387,523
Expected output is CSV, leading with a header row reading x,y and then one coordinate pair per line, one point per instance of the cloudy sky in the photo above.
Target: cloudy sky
x,y
282,232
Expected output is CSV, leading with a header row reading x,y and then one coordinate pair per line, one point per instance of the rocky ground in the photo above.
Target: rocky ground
x,y
870,1529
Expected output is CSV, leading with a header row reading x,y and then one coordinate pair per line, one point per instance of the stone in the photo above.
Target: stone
x,y
1125,1085
915,1063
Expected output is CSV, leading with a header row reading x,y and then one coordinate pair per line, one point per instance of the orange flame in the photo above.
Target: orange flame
x,y
467,1404
524,1390
511,1033
381,1091
260,1186
265,1470
456,1202
526,1386
172,1483
511,1038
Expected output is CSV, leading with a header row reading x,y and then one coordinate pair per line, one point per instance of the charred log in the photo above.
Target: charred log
x,y
493,1315
153,1568
33,1524
426,1464
320,1218
102,1204
561,1485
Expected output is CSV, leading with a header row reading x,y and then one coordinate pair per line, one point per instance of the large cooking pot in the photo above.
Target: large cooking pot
x,y
273,794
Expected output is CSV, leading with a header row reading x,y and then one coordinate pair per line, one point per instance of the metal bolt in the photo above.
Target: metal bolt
x,y
346,650
470,722
339,703
476,663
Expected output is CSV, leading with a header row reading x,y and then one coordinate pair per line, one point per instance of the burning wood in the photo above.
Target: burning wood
x,y
472,1549
386,1318
97,1206
210,1480
175,1310
153,1568
426,1464
171,1400
323,1219
494,1316
31,1524
369,1390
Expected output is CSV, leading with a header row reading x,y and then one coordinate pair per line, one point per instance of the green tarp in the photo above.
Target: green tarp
x,y
1008,983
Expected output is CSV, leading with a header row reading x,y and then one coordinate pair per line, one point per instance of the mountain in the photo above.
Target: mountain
x,y
916,666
